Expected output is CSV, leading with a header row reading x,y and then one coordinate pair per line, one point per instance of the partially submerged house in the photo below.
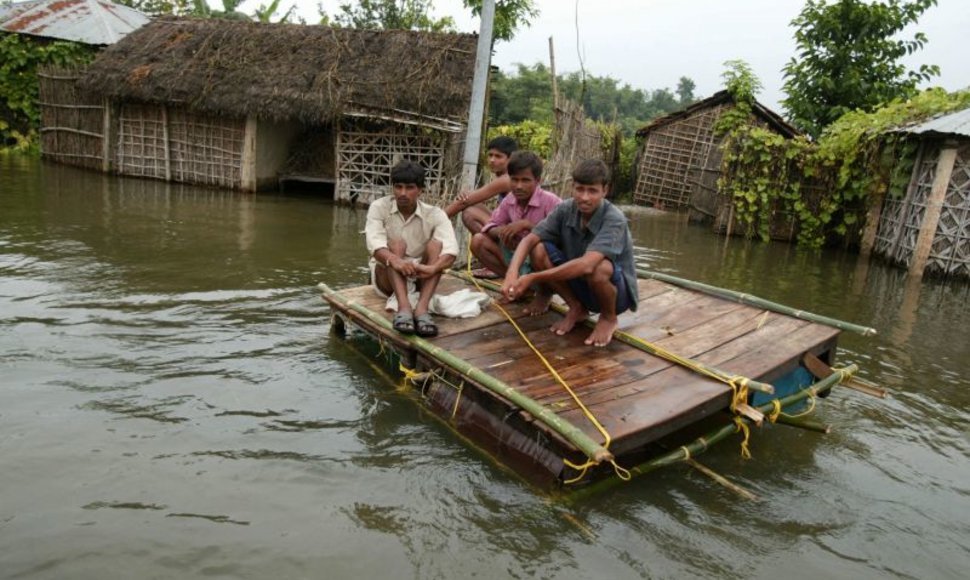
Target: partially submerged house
x,y
679,160
250,105
928,228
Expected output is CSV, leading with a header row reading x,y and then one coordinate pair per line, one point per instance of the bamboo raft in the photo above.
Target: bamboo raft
x,y
694,359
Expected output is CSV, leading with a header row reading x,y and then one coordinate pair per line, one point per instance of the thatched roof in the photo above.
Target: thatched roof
x,y
286,71
773,119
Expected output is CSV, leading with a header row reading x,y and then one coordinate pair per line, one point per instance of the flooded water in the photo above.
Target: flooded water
x,y
172,405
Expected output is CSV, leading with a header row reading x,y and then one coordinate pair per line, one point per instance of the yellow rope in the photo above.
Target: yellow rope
x,y
607,439
686,452
775,410
743,428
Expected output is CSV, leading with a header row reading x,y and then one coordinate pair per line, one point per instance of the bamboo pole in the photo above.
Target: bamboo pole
x,y
702,444
752,300
803,423
721,479
934,207
567,430
643,345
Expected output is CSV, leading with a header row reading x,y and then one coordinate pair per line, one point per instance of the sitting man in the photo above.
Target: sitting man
x,y
471,204
515,217
586,256
409,240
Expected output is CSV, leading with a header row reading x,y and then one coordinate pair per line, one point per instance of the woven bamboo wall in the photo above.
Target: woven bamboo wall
x,y
575,140
902,218
366,153
670,157
72,127
178,145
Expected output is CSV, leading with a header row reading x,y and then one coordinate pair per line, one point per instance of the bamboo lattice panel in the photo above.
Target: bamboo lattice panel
x,y
204,149
576,140
365,158
141,141
72,127
671,154
902,218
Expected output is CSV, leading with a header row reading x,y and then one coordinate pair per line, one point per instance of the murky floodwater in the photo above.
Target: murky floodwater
x,y
172,405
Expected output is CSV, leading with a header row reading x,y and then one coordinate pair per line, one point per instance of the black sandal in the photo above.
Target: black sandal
x,y
425,326
404,323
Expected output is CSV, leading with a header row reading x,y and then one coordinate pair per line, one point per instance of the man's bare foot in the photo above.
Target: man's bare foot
x,y
573,315
603,332
539,304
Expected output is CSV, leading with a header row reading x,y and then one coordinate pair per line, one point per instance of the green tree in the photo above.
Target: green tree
x,y
510,16
848,59
265,13
685,91
389,15
159,7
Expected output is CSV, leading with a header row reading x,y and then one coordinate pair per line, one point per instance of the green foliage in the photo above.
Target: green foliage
x,y
265,13
20,57
826,185
849,58
527,94
389,15
160,7
743,85
685,91
531,135
510,16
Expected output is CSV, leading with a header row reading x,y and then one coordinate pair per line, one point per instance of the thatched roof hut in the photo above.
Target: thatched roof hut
x,y
252,105
287,71
680,157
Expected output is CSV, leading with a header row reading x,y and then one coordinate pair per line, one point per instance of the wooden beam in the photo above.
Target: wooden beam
x,y
934,207
247,174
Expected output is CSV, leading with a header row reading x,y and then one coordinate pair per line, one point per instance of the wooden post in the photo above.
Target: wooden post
x,y
934,207
106,136
247,174
166,145
872,223
555,82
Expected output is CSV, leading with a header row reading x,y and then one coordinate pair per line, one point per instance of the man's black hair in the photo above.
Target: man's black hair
x,y
407,171
525,160
592,172
504,144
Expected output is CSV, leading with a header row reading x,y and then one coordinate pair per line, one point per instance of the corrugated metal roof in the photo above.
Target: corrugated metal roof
x,y
87,21
957,123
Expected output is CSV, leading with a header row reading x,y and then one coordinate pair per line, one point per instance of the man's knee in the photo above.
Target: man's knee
x,y
602,273
479,242
540,257
432,250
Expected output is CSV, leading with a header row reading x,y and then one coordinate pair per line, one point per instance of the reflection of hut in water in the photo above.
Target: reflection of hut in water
x,y
680,155
249,105
928,228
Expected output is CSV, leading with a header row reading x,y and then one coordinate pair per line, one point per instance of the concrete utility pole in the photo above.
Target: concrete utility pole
x,y
476,118
476,111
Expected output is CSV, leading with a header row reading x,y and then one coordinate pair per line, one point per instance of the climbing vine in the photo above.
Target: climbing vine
x,y
824,185
20,57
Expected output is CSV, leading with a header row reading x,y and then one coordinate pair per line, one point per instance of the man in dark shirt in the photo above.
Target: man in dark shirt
x,y
586,256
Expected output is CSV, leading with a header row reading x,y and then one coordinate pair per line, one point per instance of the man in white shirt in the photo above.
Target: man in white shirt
x,y
409,239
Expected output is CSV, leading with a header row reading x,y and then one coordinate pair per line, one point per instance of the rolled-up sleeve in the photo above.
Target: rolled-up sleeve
x,y
499,217
550,228
611,238
444,232
375,232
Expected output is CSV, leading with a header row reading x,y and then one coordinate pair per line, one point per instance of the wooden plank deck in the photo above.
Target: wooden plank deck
x,y
636,396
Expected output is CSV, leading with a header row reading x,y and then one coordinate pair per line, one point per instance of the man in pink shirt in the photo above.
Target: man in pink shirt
x,y
515,216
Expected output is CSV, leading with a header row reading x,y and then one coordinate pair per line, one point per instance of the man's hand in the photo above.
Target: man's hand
x,y
457,206
514,286
424,271
403,267
510,232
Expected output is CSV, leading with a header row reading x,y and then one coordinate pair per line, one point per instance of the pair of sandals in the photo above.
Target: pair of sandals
x,y
422,325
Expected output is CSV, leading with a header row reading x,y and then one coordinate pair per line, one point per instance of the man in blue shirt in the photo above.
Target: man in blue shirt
x,y
586,256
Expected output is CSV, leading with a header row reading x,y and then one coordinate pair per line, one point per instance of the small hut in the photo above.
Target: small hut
x,y
249,105
928,228
680,158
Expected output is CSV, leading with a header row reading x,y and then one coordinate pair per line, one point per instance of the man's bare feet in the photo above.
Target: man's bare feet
x,y
539,304
573,315
603,332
